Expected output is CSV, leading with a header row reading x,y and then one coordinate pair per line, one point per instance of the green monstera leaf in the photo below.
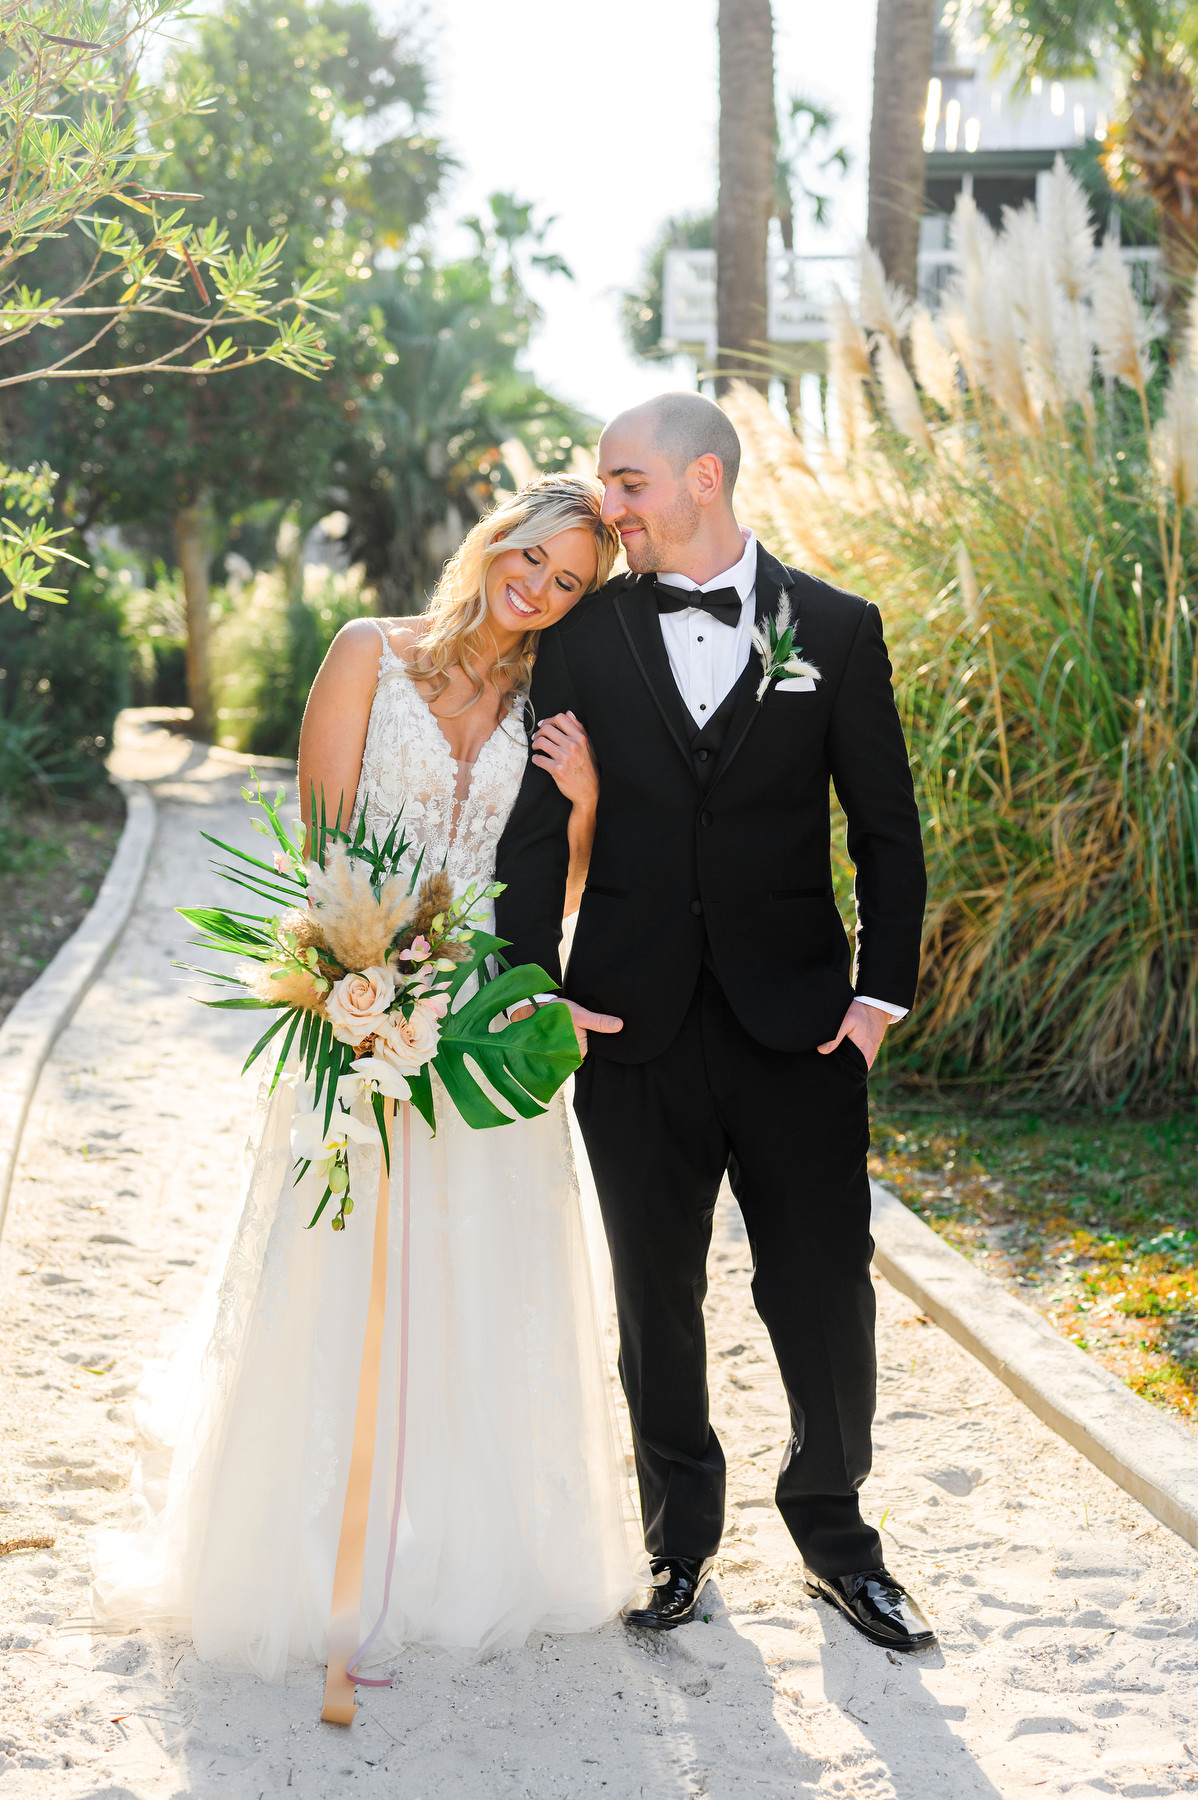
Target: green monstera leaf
x,y
525,1062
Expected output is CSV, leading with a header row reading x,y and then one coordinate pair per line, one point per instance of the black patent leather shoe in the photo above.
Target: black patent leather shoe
x,y
878,1605
673,1600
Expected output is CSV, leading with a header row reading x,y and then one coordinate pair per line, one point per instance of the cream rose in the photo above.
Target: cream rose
x,y
407,1044
357,1003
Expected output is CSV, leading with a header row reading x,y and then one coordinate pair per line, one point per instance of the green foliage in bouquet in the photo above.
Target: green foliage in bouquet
x,y
366,967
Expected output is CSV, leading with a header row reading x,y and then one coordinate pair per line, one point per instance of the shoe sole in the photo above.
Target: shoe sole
x,y
874,1637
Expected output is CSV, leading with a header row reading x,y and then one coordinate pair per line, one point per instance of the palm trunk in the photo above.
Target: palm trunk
x,y
1159,142
902,70
748,139
191,543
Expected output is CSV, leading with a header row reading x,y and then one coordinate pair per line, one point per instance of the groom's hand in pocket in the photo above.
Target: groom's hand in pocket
x,y
866,1025
584,1020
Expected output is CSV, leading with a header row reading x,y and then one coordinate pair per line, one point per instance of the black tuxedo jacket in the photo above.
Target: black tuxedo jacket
x,y
732,864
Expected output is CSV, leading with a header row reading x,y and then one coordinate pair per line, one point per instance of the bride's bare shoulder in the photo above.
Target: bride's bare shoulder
x,y
357,645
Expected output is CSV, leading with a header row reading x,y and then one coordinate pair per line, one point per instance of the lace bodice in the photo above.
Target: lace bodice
x,y
455,812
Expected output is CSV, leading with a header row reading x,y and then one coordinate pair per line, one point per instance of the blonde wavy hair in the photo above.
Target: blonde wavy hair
x,y
458,612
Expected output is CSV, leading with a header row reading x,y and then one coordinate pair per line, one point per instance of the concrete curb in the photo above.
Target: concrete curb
x,y
27,1035
1147,1453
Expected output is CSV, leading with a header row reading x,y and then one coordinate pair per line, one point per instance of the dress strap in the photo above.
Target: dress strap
x,y
390,665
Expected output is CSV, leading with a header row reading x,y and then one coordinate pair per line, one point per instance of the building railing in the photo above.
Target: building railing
x,y
801,289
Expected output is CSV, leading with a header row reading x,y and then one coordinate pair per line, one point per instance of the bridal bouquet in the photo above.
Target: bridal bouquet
x,y
365,966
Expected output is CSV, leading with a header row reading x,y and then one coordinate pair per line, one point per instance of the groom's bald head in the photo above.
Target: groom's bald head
x,y
668,469
682,427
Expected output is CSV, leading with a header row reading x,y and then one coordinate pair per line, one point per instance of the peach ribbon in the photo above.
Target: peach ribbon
x,y
345,1651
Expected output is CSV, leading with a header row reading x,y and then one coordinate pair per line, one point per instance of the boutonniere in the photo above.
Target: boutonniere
x,y
776,647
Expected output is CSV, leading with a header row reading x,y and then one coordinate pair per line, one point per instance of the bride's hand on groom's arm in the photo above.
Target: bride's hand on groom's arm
x,y
561,747
584,1021
866,1025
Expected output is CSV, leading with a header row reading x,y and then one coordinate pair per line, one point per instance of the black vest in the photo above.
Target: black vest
x,y
708,742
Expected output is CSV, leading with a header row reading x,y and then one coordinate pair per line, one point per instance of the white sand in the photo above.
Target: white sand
x,y
1068,1617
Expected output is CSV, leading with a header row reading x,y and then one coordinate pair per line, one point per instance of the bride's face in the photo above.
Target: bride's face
x,y
529,589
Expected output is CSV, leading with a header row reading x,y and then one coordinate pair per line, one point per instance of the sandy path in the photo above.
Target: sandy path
x,y
1069,1619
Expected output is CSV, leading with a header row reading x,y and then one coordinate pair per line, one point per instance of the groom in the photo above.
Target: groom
x,y
712,969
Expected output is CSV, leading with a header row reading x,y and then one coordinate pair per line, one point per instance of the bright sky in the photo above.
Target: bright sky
x,y
607,117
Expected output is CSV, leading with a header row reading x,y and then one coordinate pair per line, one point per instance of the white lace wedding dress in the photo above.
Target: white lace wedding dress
x,y
516,1513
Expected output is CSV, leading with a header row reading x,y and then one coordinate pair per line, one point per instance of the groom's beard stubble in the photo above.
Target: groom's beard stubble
x,y
664,537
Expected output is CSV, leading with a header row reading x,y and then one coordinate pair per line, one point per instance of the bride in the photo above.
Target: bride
x,y
514,1508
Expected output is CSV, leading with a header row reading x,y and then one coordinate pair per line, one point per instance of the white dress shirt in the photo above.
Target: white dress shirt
x,y
708,657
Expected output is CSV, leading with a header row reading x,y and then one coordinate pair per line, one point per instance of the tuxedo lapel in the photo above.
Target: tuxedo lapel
x,y
772,582
637,612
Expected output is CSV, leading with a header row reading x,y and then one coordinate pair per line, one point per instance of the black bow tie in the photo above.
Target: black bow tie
x,y
723,604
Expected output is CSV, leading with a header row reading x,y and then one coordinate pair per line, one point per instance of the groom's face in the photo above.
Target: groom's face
x,y
654,509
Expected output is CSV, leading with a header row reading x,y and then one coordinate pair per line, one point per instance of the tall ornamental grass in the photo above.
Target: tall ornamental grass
x,y
1014,483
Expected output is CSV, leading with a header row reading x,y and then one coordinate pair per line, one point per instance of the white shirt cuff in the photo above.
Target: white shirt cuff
x,y
541,1000
896,1012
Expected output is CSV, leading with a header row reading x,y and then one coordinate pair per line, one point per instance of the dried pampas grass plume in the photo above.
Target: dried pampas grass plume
x,y
900,397
935,366
357,928
967,585
751,413
1068,229
1075,354
1175,439
282,985
1123,331
1191,338
883,307
779,492
1022,255
436,896
849,369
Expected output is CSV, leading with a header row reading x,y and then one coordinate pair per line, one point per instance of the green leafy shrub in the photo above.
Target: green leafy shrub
x,y
266,649
156,633
64,676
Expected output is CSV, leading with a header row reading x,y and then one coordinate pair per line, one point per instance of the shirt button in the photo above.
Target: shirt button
x,y
696,907
702,707
700,640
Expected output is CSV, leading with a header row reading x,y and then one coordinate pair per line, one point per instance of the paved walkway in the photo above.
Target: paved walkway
x,y
1068,1617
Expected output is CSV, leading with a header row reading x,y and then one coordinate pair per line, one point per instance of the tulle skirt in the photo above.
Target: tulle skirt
x,y
515,1512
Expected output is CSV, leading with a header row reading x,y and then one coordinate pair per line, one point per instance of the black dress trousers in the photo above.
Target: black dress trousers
x,y
792,1131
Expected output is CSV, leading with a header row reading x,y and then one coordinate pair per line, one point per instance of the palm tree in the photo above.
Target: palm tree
x,y
1153,145
748,139
902,70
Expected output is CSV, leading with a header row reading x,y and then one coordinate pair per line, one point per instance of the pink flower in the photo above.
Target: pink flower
x,y
437,1004
357,1002
419,952
407,1044
282,861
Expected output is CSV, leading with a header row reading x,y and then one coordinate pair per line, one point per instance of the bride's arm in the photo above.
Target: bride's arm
x,y
562,747
333,734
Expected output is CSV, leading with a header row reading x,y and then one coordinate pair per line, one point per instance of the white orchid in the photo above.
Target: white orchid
x,y
373,1074
312,1141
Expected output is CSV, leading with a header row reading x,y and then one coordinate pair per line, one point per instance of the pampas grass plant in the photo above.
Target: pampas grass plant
x,y
1033,550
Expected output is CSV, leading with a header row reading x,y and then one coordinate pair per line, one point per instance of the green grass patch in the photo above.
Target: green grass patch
x,y
1092,1217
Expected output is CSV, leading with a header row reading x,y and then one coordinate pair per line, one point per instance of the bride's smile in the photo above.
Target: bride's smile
x,y
534,585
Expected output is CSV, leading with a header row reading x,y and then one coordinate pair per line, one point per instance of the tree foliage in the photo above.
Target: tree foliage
x,y
424,455
1153,142
273,154
89,248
